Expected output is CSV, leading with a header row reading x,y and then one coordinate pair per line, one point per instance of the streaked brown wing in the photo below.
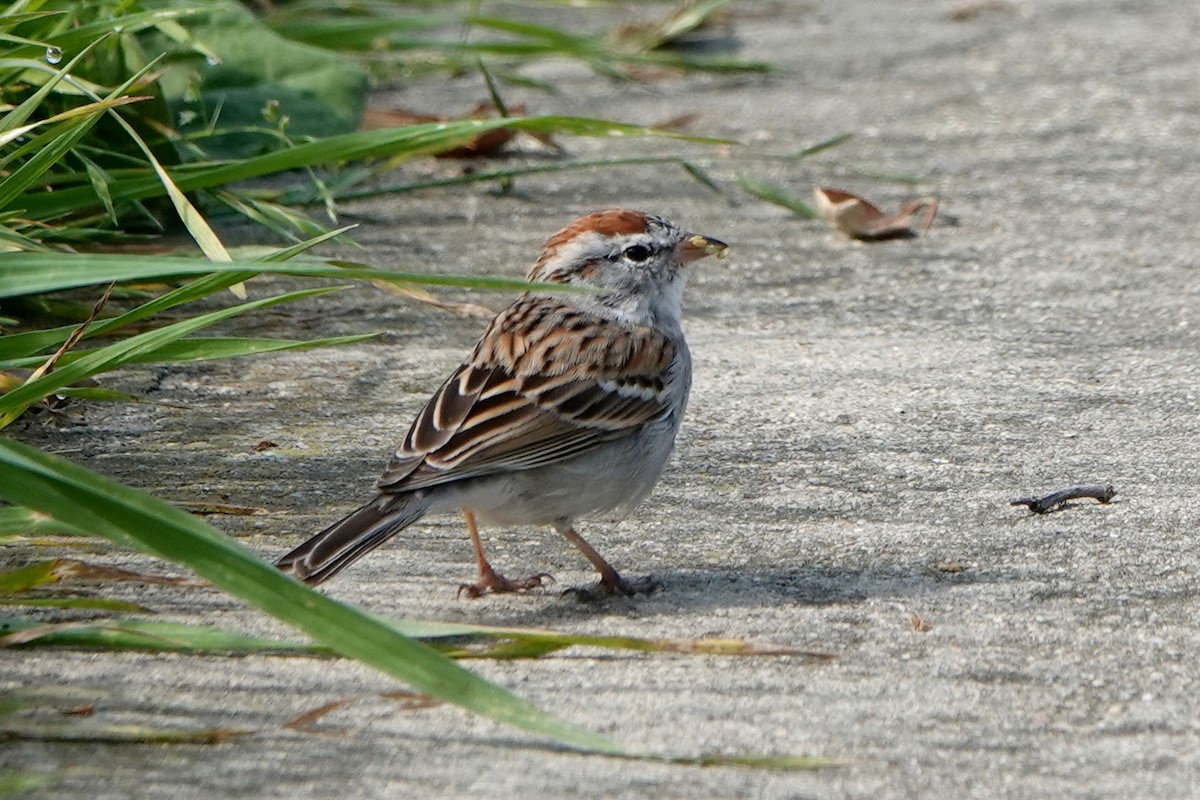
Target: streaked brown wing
x,y
545,382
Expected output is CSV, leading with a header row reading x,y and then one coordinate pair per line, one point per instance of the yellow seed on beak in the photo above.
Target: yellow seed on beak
x,y
705,246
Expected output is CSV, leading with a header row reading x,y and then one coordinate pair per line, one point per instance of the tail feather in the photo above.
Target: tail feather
x,y
352,537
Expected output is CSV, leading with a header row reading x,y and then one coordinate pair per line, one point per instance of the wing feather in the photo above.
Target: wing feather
x,y
547,381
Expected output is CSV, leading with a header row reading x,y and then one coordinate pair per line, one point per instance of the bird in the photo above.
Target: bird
x,y
567,407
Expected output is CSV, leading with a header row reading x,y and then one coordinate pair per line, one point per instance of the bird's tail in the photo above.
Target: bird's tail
x,y
352,537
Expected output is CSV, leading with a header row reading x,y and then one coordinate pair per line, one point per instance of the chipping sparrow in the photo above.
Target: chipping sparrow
x,y
568,405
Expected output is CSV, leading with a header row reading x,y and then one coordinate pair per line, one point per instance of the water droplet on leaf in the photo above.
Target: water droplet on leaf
x,y
54,54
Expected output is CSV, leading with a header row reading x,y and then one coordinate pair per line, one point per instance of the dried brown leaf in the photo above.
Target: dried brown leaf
x,y
68,568
860,219
225,508
430,299
678,122
306,722
411,701
80,711
487,144
74,338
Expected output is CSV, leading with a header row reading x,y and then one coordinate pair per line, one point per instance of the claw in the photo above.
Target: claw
x,y
615,586
496,583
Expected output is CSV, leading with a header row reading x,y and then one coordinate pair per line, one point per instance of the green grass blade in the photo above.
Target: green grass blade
x,y
23,344
145,635
17,521
222,347
347,32
27,577
198,349
12,135
16,345
22,112
204,236
408,141
765,190
16,783
72,39
35,273
114,355
95,603
458,639
825,144
79,497
50,147
11,19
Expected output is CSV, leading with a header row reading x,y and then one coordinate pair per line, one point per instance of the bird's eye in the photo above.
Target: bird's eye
x,y
637,252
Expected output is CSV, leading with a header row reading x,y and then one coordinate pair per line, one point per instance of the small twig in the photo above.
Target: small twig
x,y
1040,505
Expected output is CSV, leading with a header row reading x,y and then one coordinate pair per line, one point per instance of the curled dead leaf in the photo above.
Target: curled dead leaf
x,y
487,144
860,219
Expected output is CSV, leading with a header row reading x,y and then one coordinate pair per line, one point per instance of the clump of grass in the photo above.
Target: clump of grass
x,y
111,126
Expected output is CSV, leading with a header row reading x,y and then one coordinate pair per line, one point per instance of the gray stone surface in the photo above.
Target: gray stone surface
x,y
862,415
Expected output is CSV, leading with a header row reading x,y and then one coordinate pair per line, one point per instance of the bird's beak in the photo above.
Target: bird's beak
x,y
696,247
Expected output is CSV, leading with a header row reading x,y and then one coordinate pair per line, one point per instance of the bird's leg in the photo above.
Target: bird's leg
x,y
489,579
610,581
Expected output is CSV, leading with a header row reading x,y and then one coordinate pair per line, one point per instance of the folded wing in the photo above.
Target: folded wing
x,y
546,382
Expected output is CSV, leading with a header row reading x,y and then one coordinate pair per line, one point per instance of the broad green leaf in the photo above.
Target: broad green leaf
x,y
319,91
